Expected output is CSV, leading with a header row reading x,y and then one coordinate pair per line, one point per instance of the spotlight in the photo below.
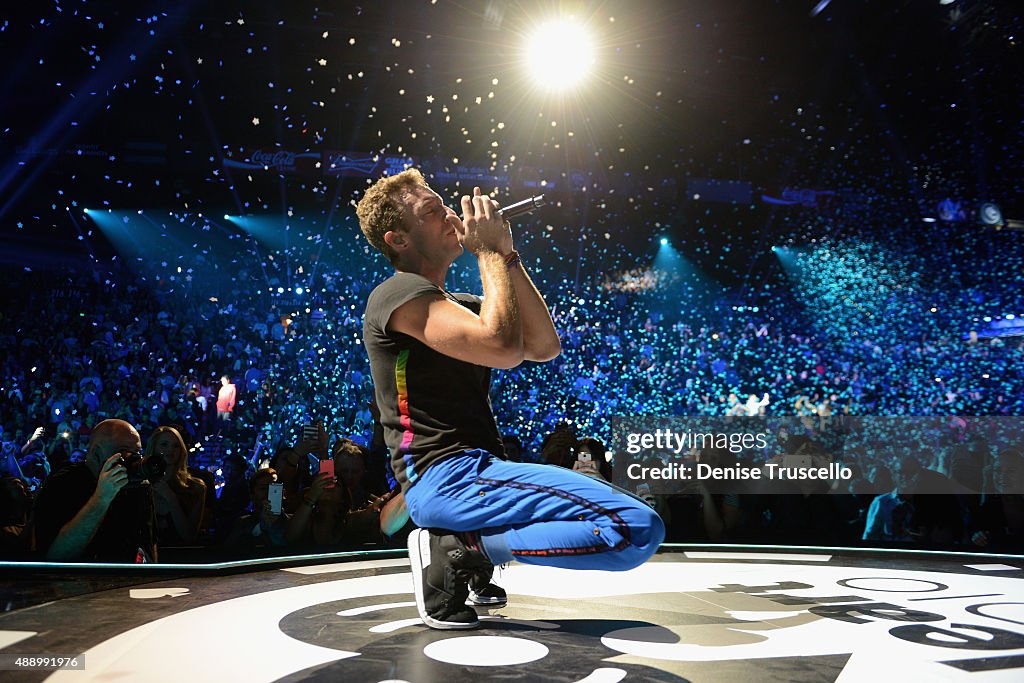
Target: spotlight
x,y
990,214
559,54
227,217
299,291
820,7
664,241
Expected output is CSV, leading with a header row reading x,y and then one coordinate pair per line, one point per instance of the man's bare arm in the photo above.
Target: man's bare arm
x,y
540,339
493,339
75,536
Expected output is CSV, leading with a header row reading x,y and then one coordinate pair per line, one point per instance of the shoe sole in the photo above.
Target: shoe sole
x,y
482,601
419,558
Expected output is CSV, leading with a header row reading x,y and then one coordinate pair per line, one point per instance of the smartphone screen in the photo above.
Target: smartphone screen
x,y
275,495
328,466
309,432
583,456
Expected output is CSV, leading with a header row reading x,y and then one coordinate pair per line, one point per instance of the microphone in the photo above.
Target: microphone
x,y
519,208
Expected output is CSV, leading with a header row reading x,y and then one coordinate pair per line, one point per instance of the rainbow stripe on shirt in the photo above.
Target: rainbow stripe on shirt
x,y
401,376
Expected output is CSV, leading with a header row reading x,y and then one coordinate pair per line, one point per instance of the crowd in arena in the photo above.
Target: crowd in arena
x,y
158,349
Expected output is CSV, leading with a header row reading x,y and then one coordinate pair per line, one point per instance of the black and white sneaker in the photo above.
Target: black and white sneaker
x,y
442,567
484,592
490,595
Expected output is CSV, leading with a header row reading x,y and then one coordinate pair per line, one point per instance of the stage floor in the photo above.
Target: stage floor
x,y
684,616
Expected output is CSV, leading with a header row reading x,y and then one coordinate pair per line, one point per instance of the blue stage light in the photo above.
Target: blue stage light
x,y
664,241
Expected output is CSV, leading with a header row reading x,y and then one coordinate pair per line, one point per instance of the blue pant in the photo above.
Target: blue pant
x,y
537,514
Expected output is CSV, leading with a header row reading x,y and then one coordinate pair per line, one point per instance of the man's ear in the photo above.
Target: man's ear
x,y
394,238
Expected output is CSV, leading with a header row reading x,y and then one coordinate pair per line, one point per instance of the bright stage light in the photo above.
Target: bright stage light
x,y
664,241
559,54
990,214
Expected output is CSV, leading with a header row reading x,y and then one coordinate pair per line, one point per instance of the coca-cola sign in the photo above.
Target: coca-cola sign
x,y
278,160
281,160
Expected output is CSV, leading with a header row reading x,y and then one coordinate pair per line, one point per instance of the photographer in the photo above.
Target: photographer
x,y
102,509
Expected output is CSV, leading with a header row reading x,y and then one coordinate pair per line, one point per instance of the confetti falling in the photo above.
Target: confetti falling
x,y
831,137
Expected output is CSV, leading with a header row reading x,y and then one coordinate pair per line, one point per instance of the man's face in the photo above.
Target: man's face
x,y
287,465
350,469
121,441
431,227
261,489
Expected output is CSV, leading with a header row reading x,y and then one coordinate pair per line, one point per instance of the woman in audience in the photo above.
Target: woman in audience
x,y
179,497
351,465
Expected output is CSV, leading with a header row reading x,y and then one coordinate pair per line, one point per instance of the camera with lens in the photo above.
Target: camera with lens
x,y
141,472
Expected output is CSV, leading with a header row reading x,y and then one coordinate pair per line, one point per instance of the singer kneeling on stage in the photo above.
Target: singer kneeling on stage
x,y
431,353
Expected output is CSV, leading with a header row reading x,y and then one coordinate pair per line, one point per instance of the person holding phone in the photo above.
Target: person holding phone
x,y
264,524
591,460
431,353
294,465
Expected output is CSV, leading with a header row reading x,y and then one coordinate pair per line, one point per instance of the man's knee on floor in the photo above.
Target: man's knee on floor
x,y
631,556
646,527
646,534
652,536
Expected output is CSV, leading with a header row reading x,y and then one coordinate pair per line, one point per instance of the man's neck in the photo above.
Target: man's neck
x,y
436,275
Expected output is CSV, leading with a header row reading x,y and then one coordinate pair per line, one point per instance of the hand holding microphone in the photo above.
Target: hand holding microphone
x,y
483,227
478,211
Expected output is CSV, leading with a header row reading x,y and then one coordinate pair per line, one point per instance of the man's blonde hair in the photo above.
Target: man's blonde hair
x,y
382,209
